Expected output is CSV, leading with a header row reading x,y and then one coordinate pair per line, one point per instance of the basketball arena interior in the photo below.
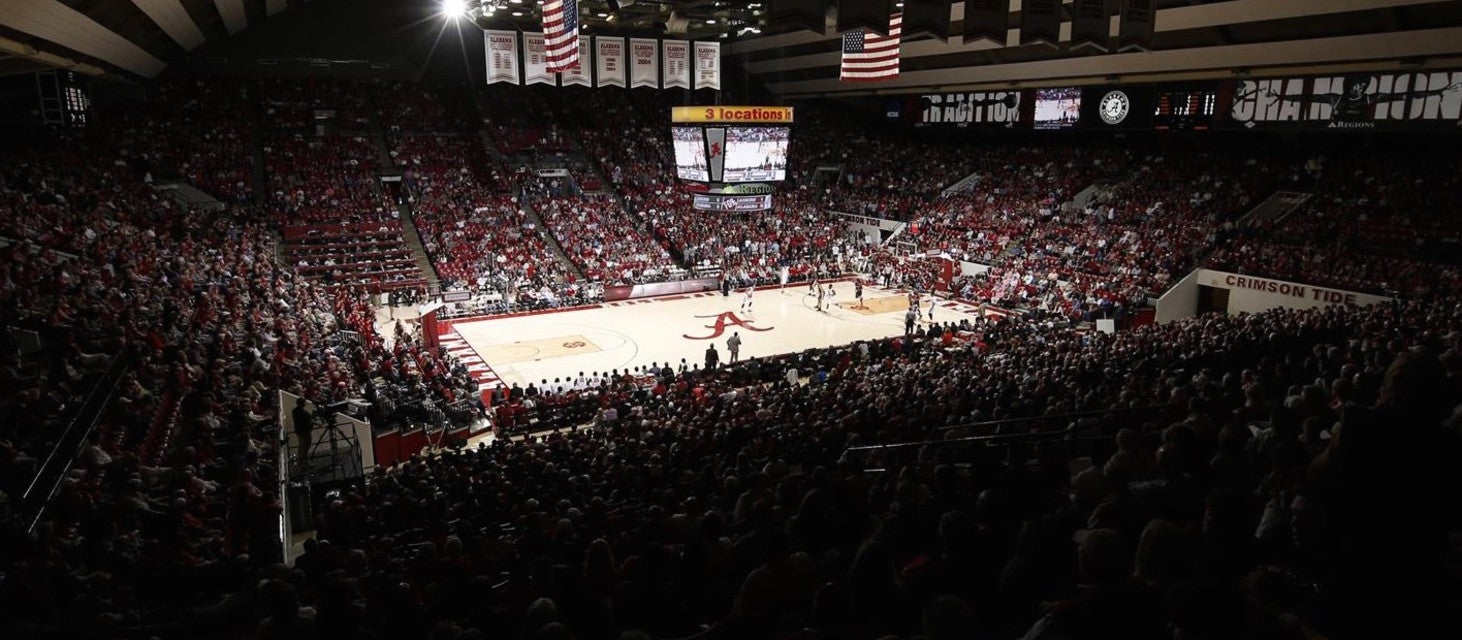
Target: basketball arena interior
x,y
726,320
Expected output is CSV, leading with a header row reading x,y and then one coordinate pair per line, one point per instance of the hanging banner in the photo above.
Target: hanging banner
x,y
502,56
535,60
1040,22
987,20
973,109
579,73
1134,31
1420,100
677,63
609,61
708,65
644,68
1089,25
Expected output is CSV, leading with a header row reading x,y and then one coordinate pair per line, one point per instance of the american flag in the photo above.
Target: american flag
x,y
869,56
561,34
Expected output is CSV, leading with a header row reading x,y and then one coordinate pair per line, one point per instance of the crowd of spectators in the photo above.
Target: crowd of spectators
x,y
303,105
1267,471
176,486
408,107
479,238
603,240
200,130
1274,475
1376,223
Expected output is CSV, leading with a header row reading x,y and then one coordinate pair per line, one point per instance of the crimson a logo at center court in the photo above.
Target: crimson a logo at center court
x,y
723,320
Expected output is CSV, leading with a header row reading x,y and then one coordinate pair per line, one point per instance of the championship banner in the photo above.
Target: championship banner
x,y
644,68
978,108
677,63
1089,25
535,60
609,61
1420,100
987,20
708,65
1134,32
579,73
502,56
926,17
1040,22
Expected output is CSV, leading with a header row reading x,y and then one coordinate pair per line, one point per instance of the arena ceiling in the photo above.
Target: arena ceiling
x,y
1194,39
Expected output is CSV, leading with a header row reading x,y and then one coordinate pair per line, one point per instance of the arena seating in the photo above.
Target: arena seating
x,y
1373,225
602,239
337,221
1273,475
178,477
202,131
627,519
478,236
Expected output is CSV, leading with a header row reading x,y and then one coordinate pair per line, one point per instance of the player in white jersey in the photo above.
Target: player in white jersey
x,y
746,299
932,300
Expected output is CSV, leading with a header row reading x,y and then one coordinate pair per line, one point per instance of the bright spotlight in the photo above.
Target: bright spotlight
x,y
454,8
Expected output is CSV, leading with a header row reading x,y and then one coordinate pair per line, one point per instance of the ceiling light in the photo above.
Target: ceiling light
x,y
517,14
602,14
454,8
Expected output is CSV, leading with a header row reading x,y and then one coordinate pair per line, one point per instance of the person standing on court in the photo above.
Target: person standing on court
x,y
712,357
734,345
909,317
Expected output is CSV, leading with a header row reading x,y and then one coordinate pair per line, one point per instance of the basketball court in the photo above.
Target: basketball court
x,y
623,335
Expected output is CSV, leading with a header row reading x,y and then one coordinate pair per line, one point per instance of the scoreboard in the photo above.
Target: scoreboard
x,y
1184,109
731,156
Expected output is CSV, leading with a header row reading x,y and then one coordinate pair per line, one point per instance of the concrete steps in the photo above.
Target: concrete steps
x,y
418,249
548,239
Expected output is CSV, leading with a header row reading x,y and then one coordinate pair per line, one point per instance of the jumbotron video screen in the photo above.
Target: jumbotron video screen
x,y
731,157
756,154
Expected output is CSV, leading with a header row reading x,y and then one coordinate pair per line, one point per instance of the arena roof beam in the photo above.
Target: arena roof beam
x,y
1168,20
1375,46
174,20
232,12
55,22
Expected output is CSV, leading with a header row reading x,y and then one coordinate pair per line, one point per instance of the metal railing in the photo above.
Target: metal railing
x,y
1083,429
53,469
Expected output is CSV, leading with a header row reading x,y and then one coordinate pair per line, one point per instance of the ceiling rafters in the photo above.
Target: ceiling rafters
x,y
1168,20
174,20
232,12
52,21
1367,47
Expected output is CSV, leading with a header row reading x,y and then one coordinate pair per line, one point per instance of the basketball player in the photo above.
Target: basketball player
x,y
932,300
813,288
820,294
914,305
858,293
746,299
832,295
